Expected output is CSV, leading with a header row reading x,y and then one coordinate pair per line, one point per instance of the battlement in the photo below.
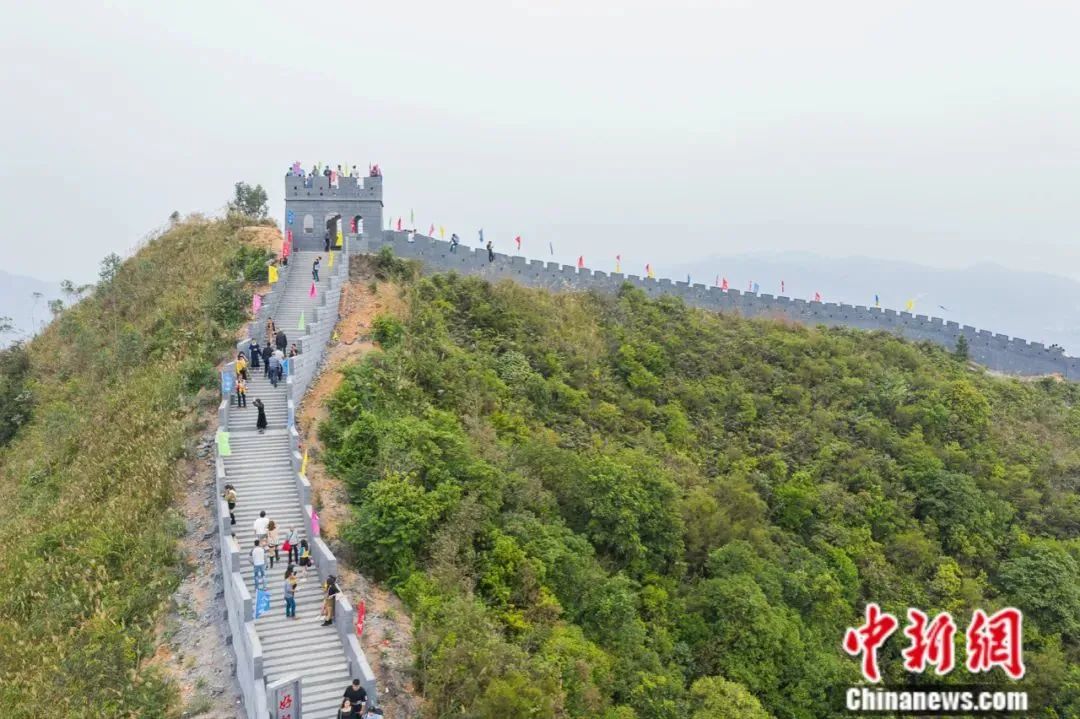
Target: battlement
x,y
998,352
351,188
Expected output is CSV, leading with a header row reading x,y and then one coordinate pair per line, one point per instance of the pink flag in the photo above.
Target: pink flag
x,y
518,241
256,303
399,224
314,523
817,297
581,262
431,230
724,285
311,292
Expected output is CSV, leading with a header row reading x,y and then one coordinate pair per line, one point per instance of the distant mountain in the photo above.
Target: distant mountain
x,y
1034,306
17,301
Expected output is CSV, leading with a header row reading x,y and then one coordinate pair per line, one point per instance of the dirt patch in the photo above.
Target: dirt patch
x,y
387,635
264,236
191,637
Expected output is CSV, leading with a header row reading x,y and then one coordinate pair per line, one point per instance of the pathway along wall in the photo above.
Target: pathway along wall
x,y
998,352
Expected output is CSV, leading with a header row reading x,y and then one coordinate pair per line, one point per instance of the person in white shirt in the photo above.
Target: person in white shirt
x,y
262,526
258,561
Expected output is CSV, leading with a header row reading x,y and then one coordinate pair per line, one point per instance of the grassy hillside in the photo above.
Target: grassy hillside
x,y
94,414
616,507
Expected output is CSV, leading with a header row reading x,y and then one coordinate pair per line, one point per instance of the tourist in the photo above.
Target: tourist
x,y
293,351
261,525
357,697
258,561
267,350
253,353
229,495
491,252
241,365
292,546
260,423
454,242
289,590
330,602
272,542
305,556
315,264
271,330
281,341
275,369
326,241
241,392
346,711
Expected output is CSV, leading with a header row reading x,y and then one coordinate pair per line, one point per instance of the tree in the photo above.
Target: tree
x,y
110,266
56,307
962,350
717,698
249,201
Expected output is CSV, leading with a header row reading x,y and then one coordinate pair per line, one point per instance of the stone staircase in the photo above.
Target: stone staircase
x,y
263,467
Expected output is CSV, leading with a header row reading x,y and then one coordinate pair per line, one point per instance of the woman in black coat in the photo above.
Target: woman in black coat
x,y
260,423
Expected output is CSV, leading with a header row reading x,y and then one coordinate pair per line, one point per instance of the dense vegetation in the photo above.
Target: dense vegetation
x,y
616,507
94,413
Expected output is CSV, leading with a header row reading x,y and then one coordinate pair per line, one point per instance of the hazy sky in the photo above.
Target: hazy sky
x,y
945,133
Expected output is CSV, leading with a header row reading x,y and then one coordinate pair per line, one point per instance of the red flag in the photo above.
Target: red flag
x,y
361,613
311,292
399,224
581,262
724,285
817,297
518,241
431,230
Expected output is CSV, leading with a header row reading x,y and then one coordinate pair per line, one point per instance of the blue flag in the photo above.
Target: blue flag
x,y
228,382
756,287
290,216
262,602
877,301
481,235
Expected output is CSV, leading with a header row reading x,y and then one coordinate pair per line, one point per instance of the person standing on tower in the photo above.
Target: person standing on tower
x,y
315,268
454,242
491,252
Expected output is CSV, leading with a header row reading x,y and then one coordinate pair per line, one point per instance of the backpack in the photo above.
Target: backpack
x,y
230,495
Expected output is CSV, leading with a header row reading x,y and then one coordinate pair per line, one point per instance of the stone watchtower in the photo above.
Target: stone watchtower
x,y
313,207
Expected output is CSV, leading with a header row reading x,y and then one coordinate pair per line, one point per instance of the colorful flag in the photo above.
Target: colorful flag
x,y
724,285
399,224
749,285
431,230
262,602
649,272
290,216
223,444
687,278
817,297
910,305
581,262
618,263
303,463
442,232
314,523
518,241
757,288
877,301
338,244
301,324
256,303
481,235
271,273
330,262
311,292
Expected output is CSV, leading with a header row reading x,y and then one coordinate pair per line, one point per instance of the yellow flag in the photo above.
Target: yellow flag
x,y
339,238
442,232
272,272
331,262
910,305
303,464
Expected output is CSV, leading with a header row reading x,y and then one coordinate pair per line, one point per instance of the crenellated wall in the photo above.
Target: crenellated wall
x,y
996,351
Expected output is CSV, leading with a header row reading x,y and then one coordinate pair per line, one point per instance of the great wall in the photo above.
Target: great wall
x,y
358,205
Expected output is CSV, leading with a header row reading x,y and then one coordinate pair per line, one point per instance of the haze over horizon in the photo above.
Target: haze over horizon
x,y
941,135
